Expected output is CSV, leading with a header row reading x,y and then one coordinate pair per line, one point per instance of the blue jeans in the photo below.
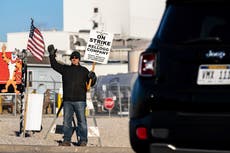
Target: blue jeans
x,y
77,107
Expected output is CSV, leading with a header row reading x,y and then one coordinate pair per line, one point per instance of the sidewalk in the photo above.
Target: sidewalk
x,y
113,132
55,149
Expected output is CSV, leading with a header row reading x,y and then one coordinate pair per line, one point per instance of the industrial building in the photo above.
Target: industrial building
x,y
132,22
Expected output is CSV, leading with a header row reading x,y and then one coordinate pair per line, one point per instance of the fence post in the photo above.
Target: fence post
x,y
119,95
54,86
0,104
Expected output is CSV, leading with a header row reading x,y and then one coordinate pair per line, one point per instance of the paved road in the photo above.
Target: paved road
x,y
113,132
56,149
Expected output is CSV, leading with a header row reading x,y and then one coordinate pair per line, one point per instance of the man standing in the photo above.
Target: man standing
x,y
75,79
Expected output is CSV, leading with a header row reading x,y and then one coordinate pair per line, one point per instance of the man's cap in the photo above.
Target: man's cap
x,y
75,54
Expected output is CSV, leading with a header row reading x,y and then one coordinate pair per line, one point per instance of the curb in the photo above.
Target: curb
x,y
8,148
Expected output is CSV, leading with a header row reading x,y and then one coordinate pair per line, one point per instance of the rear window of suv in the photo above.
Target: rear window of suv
x,y
183,23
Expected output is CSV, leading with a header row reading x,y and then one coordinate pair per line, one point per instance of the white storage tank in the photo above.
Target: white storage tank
x,y
133,57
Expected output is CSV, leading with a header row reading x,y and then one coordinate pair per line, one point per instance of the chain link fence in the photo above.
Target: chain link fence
x,y
117,87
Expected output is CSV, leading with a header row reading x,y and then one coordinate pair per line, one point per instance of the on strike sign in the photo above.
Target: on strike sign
x,y
98,47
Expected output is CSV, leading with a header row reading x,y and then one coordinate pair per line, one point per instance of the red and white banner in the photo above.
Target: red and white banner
x,y
5,69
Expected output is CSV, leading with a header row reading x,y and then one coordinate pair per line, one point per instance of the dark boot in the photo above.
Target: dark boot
x,y
65,143
82,143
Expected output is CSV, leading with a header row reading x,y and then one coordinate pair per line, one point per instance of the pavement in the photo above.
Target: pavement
x,y
113,136
58,149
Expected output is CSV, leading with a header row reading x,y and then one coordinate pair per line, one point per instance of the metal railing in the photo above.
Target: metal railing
x,y
119,92
10,101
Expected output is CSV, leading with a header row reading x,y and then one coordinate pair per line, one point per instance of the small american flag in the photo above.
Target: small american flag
x,y
36,43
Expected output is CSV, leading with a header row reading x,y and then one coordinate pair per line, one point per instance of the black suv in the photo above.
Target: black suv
x,y
181,98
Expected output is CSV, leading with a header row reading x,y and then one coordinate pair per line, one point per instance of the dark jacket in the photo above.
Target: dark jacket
x,y
74,80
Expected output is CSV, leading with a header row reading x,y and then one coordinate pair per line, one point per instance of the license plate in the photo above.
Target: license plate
x,y
214,75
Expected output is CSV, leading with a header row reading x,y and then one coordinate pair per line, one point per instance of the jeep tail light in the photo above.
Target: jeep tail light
x,y
147,65
141,133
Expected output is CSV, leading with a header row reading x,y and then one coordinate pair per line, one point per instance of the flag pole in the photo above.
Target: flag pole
x,y
24,84
32,20
25,108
